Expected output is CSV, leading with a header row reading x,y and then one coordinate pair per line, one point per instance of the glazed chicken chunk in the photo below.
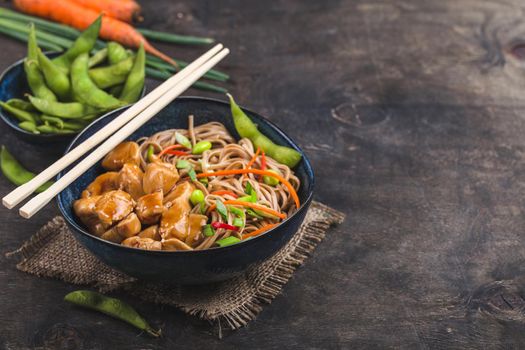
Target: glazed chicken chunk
x,y
113,206
149,207
126,228
84,208
103,183
143,243
129,180
175,220
159,177
126,152
150,232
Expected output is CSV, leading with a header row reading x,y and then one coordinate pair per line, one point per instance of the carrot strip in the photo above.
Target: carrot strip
x,y
258,172
169,148
224,192
259,231
250,163
253,206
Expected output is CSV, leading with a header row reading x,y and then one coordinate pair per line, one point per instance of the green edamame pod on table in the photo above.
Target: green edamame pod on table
x,y
29,126
86,90
109,76
116,52
21,115
246,128
84,44
135,81
111,307
21,104
15,172
56,79
68,110
36,82
98,57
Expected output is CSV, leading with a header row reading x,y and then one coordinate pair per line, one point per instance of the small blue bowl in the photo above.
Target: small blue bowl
x,y
188,267
13,84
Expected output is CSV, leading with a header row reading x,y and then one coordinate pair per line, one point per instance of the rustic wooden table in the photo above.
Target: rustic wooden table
x,y
412,113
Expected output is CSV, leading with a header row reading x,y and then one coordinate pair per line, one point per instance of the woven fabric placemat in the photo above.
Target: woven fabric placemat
x,y
54,252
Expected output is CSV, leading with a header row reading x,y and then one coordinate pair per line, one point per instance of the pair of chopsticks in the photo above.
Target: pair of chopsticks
x,y
117,130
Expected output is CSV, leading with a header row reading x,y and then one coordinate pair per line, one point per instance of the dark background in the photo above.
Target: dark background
x,y
412,113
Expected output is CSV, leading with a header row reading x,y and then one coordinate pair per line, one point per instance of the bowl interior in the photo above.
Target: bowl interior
x,y
175,116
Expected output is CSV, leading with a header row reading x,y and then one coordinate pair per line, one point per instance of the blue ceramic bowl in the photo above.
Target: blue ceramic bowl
x,y
13,84
188,267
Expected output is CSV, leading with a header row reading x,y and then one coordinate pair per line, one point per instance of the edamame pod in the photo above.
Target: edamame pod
x,y
35,80
29,126
55,121
70,110
32,46
21,115
116,52
49,129
21,104
105,77
246,128
86,90
98,57
15,172
111,307
56,79
135,81
84,44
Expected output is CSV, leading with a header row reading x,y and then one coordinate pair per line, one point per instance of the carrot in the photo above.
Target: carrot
x,y
127,11
250,163
258,172
259,231
253,206
224,192
79,17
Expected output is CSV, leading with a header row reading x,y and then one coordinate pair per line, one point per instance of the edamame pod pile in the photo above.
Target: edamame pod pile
x,y
69,91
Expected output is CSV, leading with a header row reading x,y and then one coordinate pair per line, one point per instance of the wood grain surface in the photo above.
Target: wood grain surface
x,y
413,114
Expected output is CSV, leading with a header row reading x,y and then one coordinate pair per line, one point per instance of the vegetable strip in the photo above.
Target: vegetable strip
x,y
258,172
259,231
224,192
253,206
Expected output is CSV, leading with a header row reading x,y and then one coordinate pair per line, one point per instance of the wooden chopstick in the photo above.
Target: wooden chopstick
x,y
35,204
25,190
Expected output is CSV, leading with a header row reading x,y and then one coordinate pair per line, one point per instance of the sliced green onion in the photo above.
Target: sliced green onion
x,y
192,174
239,222
183,140
250,212
182,164
175,38
208,231
227,241
221,208
204,181
236,211
149,155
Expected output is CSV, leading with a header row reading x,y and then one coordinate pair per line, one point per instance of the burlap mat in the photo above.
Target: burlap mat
x,y
54,252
